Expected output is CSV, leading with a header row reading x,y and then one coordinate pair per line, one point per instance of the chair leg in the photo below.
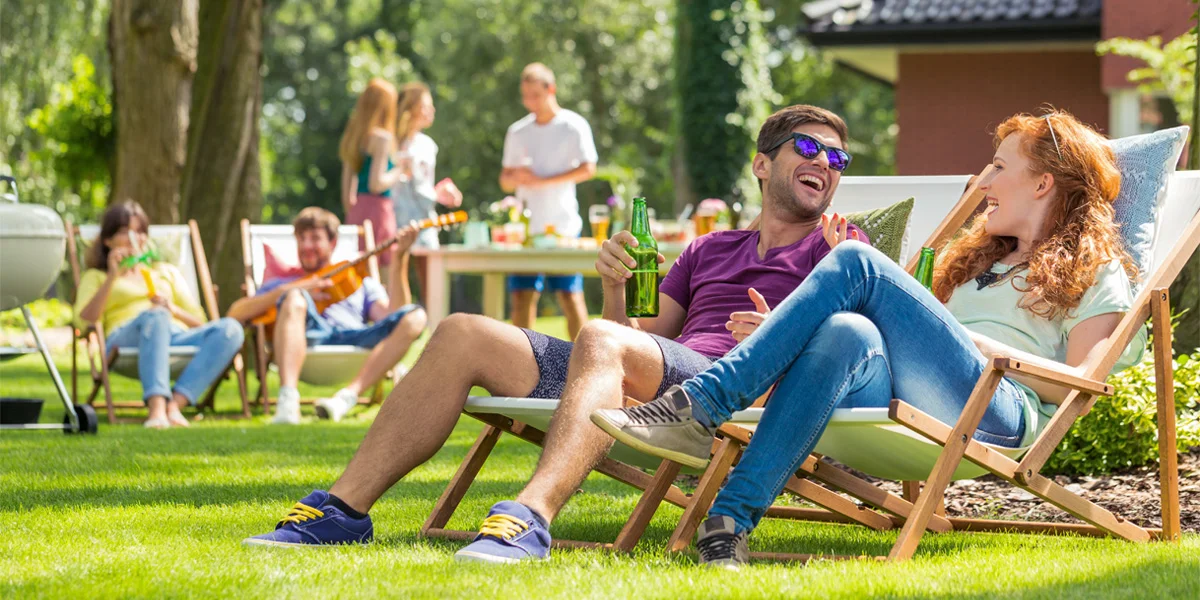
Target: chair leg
x,y
1164,377
706,492
462,480
947,462
239,369
260,362
651,499
105,377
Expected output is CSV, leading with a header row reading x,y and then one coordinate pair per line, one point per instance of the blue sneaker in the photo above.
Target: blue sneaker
x,y
311,522
511,533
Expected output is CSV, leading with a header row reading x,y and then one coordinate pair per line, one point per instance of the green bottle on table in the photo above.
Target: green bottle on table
x,y
641,290
924,272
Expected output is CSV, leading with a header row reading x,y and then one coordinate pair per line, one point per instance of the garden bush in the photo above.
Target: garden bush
x,y
1121,431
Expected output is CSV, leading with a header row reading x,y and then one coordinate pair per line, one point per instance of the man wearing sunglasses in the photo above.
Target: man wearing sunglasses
x,y
719,290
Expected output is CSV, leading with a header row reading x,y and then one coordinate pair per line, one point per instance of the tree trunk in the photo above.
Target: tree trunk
x,y
1185,293
221,183
153,49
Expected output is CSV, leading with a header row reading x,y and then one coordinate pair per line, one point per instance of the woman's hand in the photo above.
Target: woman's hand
x,y
743,323
448,194
614,263
835,230
115,256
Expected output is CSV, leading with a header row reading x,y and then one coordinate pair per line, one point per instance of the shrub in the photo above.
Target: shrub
x,y
1121,431
50,312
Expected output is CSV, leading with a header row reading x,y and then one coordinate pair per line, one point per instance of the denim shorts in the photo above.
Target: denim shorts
x,y
572,284
680,363
320,332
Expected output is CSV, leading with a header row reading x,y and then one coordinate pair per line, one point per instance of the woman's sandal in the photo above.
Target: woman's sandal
x,y
157,423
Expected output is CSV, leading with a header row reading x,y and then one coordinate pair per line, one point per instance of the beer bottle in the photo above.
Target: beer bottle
x,y
641,290
924,273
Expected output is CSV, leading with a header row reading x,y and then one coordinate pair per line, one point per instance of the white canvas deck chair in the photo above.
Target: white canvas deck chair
x,y
529,418
902,443
181,245
325,365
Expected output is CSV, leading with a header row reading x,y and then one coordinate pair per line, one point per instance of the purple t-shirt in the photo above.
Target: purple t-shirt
x,y
711,279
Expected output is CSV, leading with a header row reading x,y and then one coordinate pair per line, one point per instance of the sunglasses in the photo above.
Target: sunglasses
x,y
809,147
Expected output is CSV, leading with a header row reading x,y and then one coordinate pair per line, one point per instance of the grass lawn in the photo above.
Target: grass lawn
x,y
137,513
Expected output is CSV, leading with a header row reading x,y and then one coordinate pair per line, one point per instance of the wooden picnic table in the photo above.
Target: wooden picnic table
x,y
495,262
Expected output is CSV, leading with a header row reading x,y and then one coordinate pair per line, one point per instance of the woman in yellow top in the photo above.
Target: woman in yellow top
x,y
151,308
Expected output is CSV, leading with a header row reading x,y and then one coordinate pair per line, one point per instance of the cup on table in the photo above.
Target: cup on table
x,y
475,234
705,224
599,218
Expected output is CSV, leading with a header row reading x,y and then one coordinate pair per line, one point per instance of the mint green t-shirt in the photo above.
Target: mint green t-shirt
x,y
993,312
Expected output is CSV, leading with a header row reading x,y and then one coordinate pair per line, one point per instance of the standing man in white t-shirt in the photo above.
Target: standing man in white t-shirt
x,y
545,155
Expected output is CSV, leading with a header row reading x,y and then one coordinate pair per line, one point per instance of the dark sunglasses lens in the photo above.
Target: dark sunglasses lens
x,y
807,147
838,159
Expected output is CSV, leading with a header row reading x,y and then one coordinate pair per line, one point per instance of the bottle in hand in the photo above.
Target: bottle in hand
x,y
924,272
641,290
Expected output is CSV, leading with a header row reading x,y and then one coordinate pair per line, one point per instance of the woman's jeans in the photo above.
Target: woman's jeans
x,y
858,332
153,333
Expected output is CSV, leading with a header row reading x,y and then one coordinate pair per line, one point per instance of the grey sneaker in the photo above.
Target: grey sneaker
x,y
663,427
720,546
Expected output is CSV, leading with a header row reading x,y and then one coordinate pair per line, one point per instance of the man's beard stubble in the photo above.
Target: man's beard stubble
x,y
781,192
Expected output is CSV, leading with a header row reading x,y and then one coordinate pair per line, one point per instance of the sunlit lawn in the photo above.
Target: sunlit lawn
x,y
137,513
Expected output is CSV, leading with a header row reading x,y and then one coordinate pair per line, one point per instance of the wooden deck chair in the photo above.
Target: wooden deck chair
x,y
529,418
181,245
903,443
325,365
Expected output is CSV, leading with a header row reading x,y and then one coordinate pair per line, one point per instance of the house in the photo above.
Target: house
x,y
959,67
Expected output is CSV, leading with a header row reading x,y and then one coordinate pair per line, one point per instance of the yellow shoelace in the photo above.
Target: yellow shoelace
x,y
301,513
503,526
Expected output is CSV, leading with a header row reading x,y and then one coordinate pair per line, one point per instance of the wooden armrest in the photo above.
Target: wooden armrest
x,y
1049,375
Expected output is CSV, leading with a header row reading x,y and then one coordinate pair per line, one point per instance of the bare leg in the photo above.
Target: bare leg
x,y
389,351
575,309
421,411
524,312
290,344
608,362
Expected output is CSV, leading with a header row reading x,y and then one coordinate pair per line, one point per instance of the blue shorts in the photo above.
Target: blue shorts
x,y
320,332
572,284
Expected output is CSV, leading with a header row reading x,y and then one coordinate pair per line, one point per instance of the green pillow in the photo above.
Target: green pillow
x,y
887,227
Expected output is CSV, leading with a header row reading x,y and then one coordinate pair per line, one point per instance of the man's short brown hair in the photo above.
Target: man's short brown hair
x,y
538,73
315,217
779,125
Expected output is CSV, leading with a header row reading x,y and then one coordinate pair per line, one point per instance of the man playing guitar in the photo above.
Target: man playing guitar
x,y
366,318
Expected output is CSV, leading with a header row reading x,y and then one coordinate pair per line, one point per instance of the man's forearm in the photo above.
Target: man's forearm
x,y
246,309
579,174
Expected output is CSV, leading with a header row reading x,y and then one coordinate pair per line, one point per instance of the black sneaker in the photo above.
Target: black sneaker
x,y
720,546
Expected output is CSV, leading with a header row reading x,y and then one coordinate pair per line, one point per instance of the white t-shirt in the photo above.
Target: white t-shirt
x,y
414,199
992,312
551,149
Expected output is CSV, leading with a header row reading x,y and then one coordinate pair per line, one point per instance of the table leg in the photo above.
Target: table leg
x,y
438,296
493,295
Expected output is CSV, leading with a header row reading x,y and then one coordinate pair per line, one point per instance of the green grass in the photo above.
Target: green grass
x,y
136,513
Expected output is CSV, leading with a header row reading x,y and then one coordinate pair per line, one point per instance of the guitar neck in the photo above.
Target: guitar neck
x,y
438,221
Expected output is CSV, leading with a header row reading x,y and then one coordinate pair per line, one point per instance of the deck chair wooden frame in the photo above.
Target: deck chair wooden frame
x,y
658,485
101,358
920,508
259,333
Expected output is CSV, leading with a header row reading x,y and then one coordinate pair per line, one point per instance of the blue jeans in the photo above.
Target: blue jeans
x,y
319,331
153,333
858,332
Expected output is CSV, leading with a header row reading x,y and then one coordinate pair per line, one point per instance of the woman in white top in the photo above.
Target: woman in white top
x,y
414,196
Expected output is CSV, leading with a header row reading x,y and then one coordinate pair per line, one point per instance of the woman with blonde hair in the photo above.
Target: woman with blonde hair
x,y
368,172
415,197
1041,275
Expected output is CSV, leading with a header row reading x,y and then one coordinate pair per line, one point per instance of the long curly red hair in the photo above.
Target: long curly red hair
x,y
1084,238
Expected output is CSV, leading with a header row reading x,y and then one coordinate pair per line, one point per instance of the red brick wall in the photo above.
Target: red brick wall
x,y
1140,19
949,105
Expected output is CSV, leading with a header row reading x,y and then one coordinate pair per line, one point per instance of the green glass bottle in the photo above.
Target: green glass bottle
x,y
924,273
641,290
